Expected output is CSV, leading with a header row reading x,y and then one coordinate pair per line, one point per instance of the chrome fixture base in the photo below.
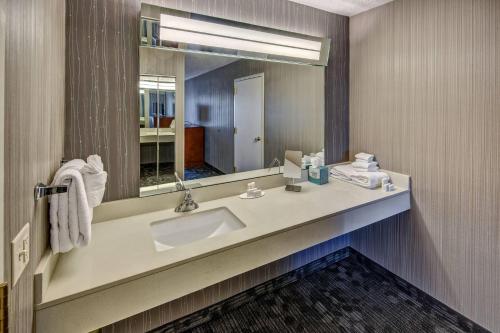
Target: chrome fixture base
x,y
188,204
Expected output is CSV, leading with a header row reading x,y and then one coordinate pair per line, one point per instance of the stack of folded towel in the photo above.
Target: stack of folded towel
x,y
71,213
363,172
365,163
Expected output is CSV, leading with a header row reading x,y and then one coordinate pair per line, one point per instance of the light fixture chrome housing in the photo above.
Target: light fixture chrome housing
x,y
186,32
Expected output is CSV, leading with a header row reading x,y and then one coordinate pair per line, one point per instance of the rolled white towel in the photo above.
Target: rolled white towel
x,y
364,157
70,214
316,162
94,178
347,173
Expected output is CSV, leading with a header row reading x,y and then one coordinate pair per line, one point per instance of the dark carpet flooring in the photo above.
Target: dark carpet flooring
x,y
201,172
352,295
166,173
148,174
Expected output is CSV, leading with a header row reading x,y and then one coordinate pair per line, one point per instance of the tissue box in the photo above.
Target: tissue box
x,y
318,175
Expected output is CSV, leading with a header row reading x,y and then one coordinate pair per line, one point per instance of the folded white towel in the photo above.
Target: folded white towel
x,y
364,157
371,169
94,178
365,166
80,214
347,173
362,161
70,214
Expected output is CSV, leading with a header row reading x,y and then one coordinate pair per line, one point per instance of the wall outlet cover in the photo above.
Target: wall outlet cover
x,y
20,253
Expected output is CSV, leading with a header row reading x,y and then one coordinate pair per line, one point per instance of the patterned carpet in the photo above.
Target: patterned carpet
x,y
201,172
351,295
148,174
166,173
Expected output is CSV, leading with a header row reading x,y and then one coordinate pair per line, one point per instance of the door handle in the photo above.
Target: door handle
x,y
257,139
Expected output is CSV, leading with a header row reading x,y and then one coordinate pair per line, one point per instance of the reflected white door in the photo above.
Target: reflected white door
x,y
249,123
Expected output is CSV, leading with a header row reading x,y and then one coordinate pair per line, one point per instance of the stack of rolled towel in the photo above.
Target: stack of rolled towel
x,y
71,213
314,159
363,172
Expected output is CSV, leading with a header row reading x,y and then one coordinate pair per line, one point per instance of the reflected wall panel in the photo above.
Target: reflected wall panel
x,y
294,112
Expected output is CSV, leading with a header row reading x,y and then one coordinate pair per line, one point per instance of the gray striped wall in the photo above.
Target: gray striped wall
x,y
34,133
425,98
102,98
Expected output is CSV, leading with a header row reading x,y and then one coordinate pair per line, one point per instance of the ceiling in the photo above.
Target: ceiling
x,y
199,64
343,7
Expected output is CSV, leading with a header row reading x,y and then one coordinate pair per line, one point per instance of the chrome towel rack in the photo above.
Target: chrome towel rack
x,y
42,190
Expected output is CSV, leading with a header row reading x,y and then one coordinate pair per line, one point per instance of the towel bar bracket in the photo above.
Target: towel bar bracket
x,y
42,190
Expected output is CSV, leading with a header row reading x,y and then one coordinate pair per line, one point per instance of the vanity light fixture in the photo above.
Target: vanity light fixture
x,y
191,31
157,85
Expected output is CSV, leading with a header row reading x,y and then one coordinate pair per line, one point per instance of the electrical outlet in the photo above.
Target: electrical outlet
x,y
20,252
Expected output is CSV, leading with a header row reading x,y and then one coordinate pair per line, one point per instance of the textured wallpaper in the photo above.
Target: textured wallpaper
x,y
425,82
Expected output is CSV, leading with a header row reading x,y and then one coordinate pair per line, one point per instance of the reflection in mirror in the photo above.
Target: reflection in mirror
x,y
225,115
157,130
250,112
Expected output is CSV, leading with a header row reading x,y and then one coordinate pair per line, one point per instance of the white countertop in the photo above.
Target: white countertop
x,y
123,250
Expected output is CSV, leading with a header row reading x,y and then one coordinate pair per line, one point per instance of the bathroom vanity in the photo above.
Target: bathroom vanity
x,y
216,112
128,260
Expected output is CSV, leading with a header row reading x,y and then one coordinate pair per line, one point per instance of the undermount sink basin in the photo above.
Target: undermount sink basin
x,y
177,231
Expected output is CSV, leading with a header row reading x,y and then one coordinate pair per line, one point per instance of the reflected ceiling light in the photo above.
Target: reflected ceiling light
x,y
157,85
189,31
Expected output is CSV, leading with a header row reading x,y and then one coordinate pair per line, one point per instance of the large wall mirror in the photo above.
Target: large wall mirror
x,y
220,100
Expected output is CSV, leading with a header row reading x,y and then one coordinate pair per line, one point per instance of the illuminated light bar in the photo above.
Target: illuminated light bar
x,y
157,85
189,31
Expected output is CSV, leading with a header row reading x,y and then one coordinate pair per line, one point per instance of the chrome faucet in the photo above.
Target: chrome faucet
x,y
274,163
188,203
